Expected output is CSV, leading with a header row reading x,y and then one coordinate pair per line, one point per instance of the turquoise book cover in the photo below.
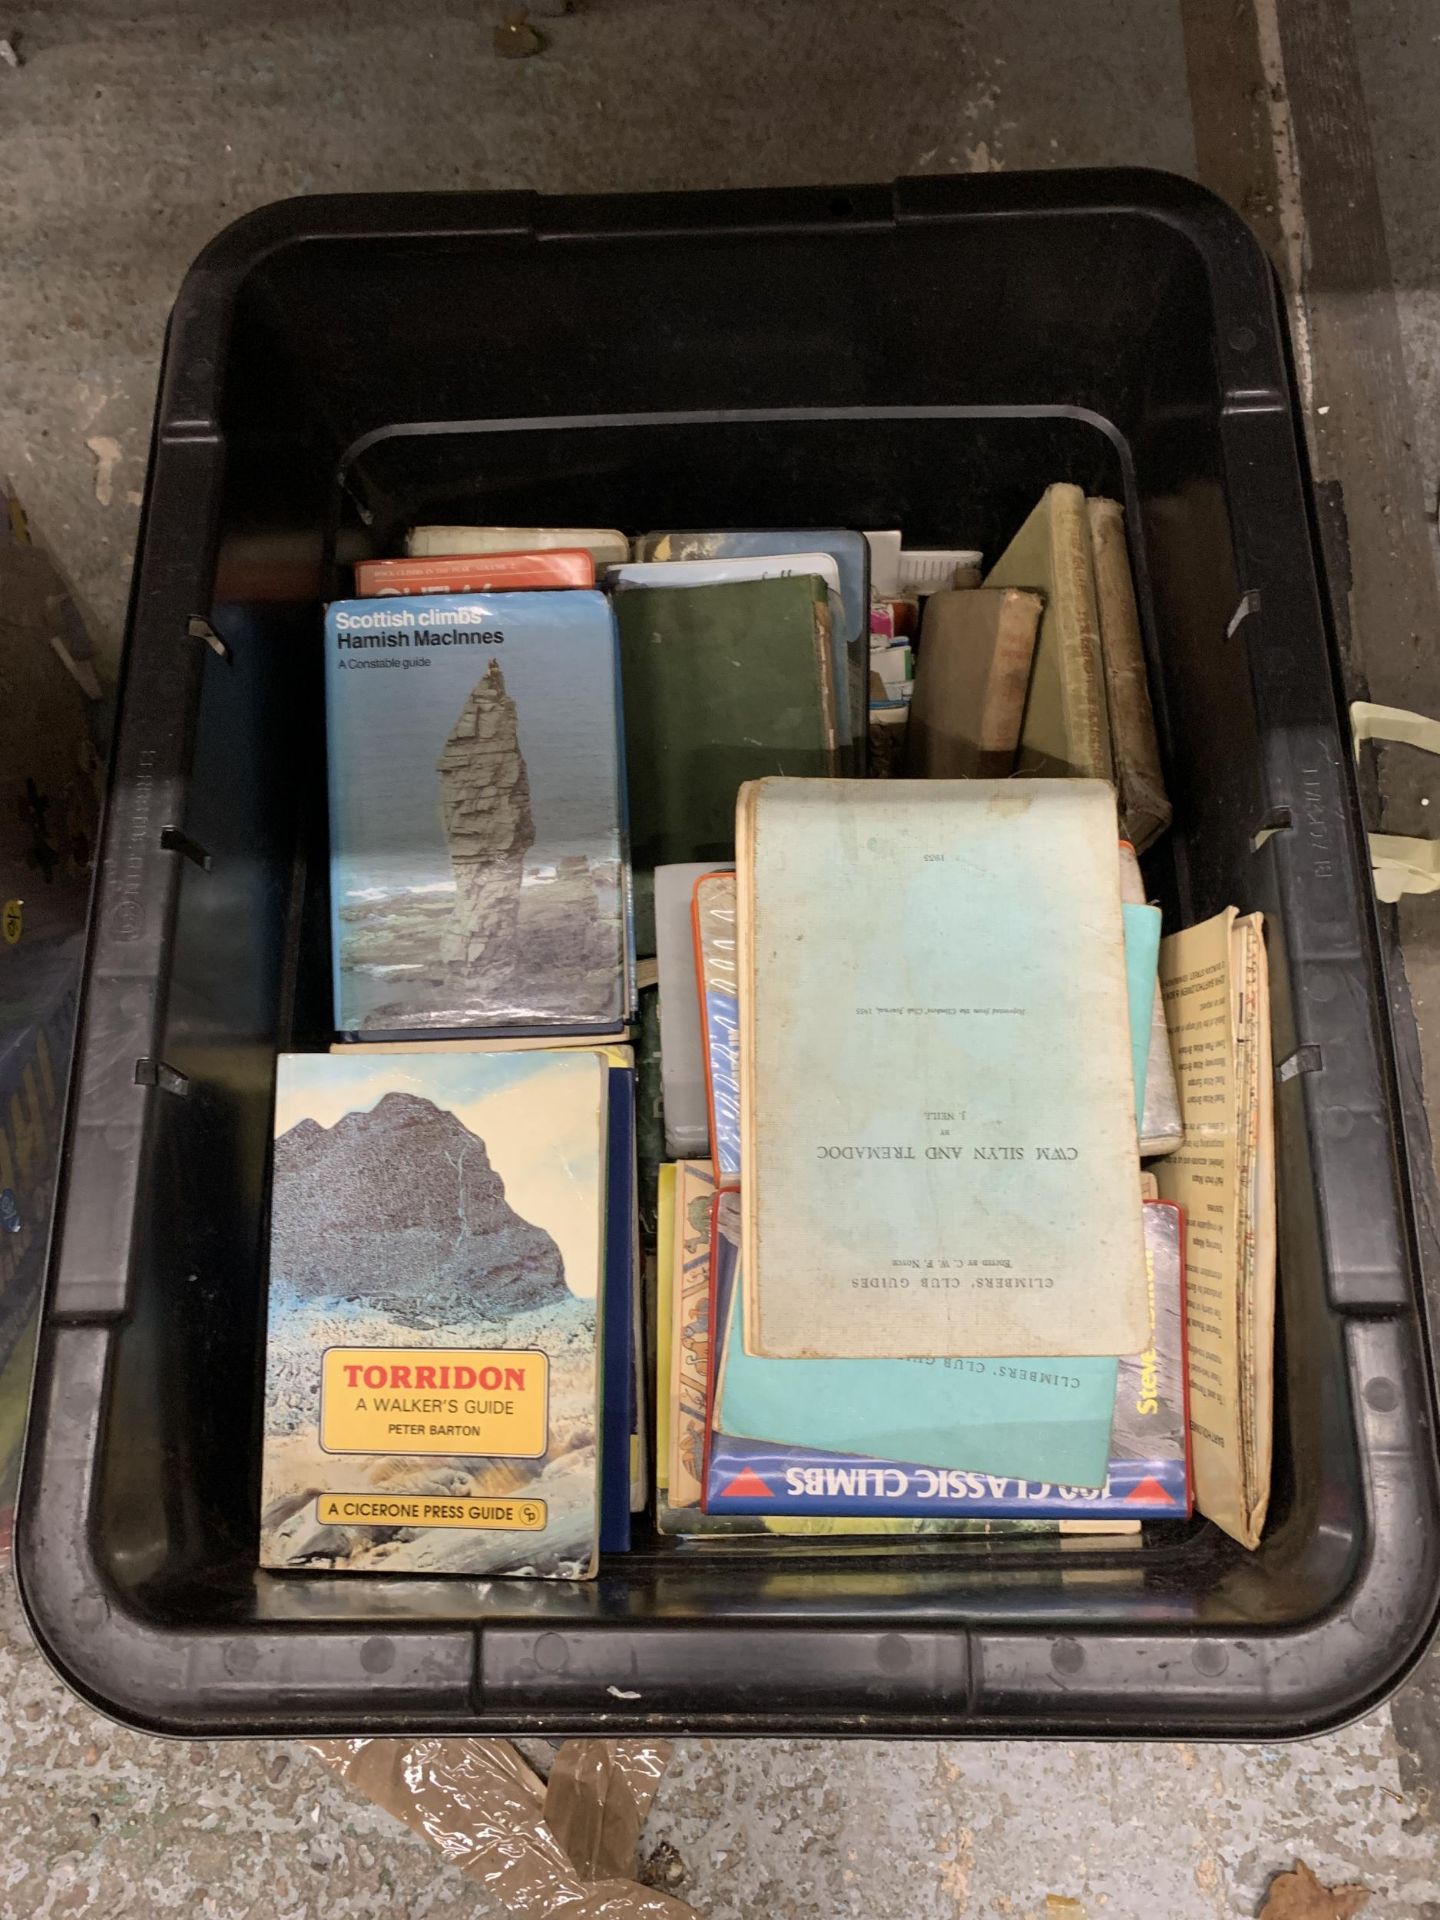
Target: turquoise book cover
x,y
851,554
477,871
437,1247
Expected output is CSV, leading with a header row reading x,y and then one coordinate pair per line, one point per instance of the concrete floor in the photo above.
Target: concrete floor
x,y
130,134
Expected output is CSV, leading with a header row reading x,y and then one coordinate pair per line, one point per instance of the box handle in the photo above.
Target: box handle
x,y
1401,864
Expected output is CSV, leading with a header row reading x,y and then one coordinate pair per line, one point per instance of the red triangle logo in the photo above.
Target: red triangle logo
x,y
1150,1489
747,1485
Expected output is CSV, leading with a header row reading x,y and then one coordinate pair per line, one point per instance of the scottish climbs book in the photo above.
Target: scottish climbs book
x,y
476,872
437,1275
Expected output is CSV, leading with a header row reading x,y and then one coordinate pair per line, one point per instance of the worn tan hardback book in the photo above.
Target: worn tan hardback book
x,y
1144,805
1217,1000
937,1097
976,648
1066,729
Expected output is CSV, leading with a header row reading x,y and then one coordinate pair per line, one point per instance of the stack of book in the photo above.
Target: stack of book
x,y
745,987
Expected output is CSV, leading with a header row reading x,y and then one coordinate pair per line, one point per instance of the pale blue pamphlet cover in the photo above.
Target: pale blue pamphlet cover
x,y
1030,1419
938,1100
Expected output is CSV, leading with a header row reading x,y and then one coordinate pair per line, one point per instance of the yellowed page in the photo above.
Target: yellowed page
x,y
1216,1032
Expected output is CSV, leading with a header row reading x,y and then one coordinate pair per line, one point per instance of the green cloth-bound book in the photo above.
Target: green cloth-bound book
x,y
722,684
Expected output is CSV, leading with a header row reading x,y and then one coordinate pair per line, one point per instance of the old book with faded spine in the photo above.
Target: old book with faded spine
x,y
437,1259
1066,729
1217,999
1144,804
851,554
976,649
723,684
937,1101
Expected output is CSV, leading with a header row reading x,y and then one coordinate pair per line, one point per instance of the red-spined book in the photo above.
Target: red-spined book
x,y
476,573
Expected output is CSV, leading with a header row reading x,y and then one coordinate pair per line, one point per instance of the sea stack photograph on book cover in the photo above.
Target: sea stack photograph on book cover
x,y
477,878
436,1261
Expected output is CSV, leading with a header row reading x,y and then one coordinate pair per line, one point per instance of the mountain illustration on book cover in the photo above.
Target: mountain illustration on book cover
x,y
435,1262
475,813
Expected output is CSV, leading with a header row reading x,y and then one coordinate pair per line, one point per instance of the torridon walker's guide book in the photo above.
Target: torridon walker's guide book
x,y
437,1262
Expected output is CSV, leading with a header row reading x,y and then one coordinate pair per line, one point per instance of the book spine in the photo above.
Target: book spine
x,y
757,1477
1003,712
1082,671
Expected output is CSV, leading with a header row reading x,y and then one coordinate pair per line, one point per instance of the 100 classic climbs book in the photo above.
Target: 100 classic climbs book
x,y
477,864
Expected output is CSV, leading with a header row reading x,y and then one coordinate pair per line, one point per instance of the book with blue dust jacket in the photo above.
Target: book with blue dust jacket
x,y
477,854
1147,1476
437,1270
937,1102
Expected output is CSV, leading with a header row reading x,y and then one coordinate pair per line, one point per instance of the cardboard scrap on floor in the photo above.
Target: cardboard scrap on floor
x,y
569,1847
1298,1895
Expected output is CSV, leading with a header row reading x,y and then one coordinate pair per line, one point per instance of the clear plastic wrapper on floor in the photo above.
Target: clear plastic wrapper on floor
x,y
567,1848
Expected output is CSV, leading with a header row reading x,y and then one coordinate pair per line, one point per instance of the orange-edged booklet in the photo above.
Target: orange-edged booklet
x,y
476,573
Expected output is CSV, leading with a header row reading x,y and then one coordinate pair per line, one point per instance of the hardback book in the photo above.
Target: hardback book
x,y
688,1384
1018,1417
477,872
1161,1130
715,959
722,684
682,1058
775,566
1144,803
605,545
437,1270
1147,1476
937,1108
1066,727
976,647
851,553
481,573
664,1263
1217,996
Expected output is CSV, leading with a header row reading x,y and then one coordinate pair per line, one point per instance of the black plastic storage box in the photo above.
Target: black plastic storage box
x,y
928,356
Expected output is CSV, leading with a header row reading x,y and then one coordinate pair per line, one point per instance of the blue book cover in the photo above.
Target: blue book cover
x,y
619,1416
437,1266
476,814
1147,1478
